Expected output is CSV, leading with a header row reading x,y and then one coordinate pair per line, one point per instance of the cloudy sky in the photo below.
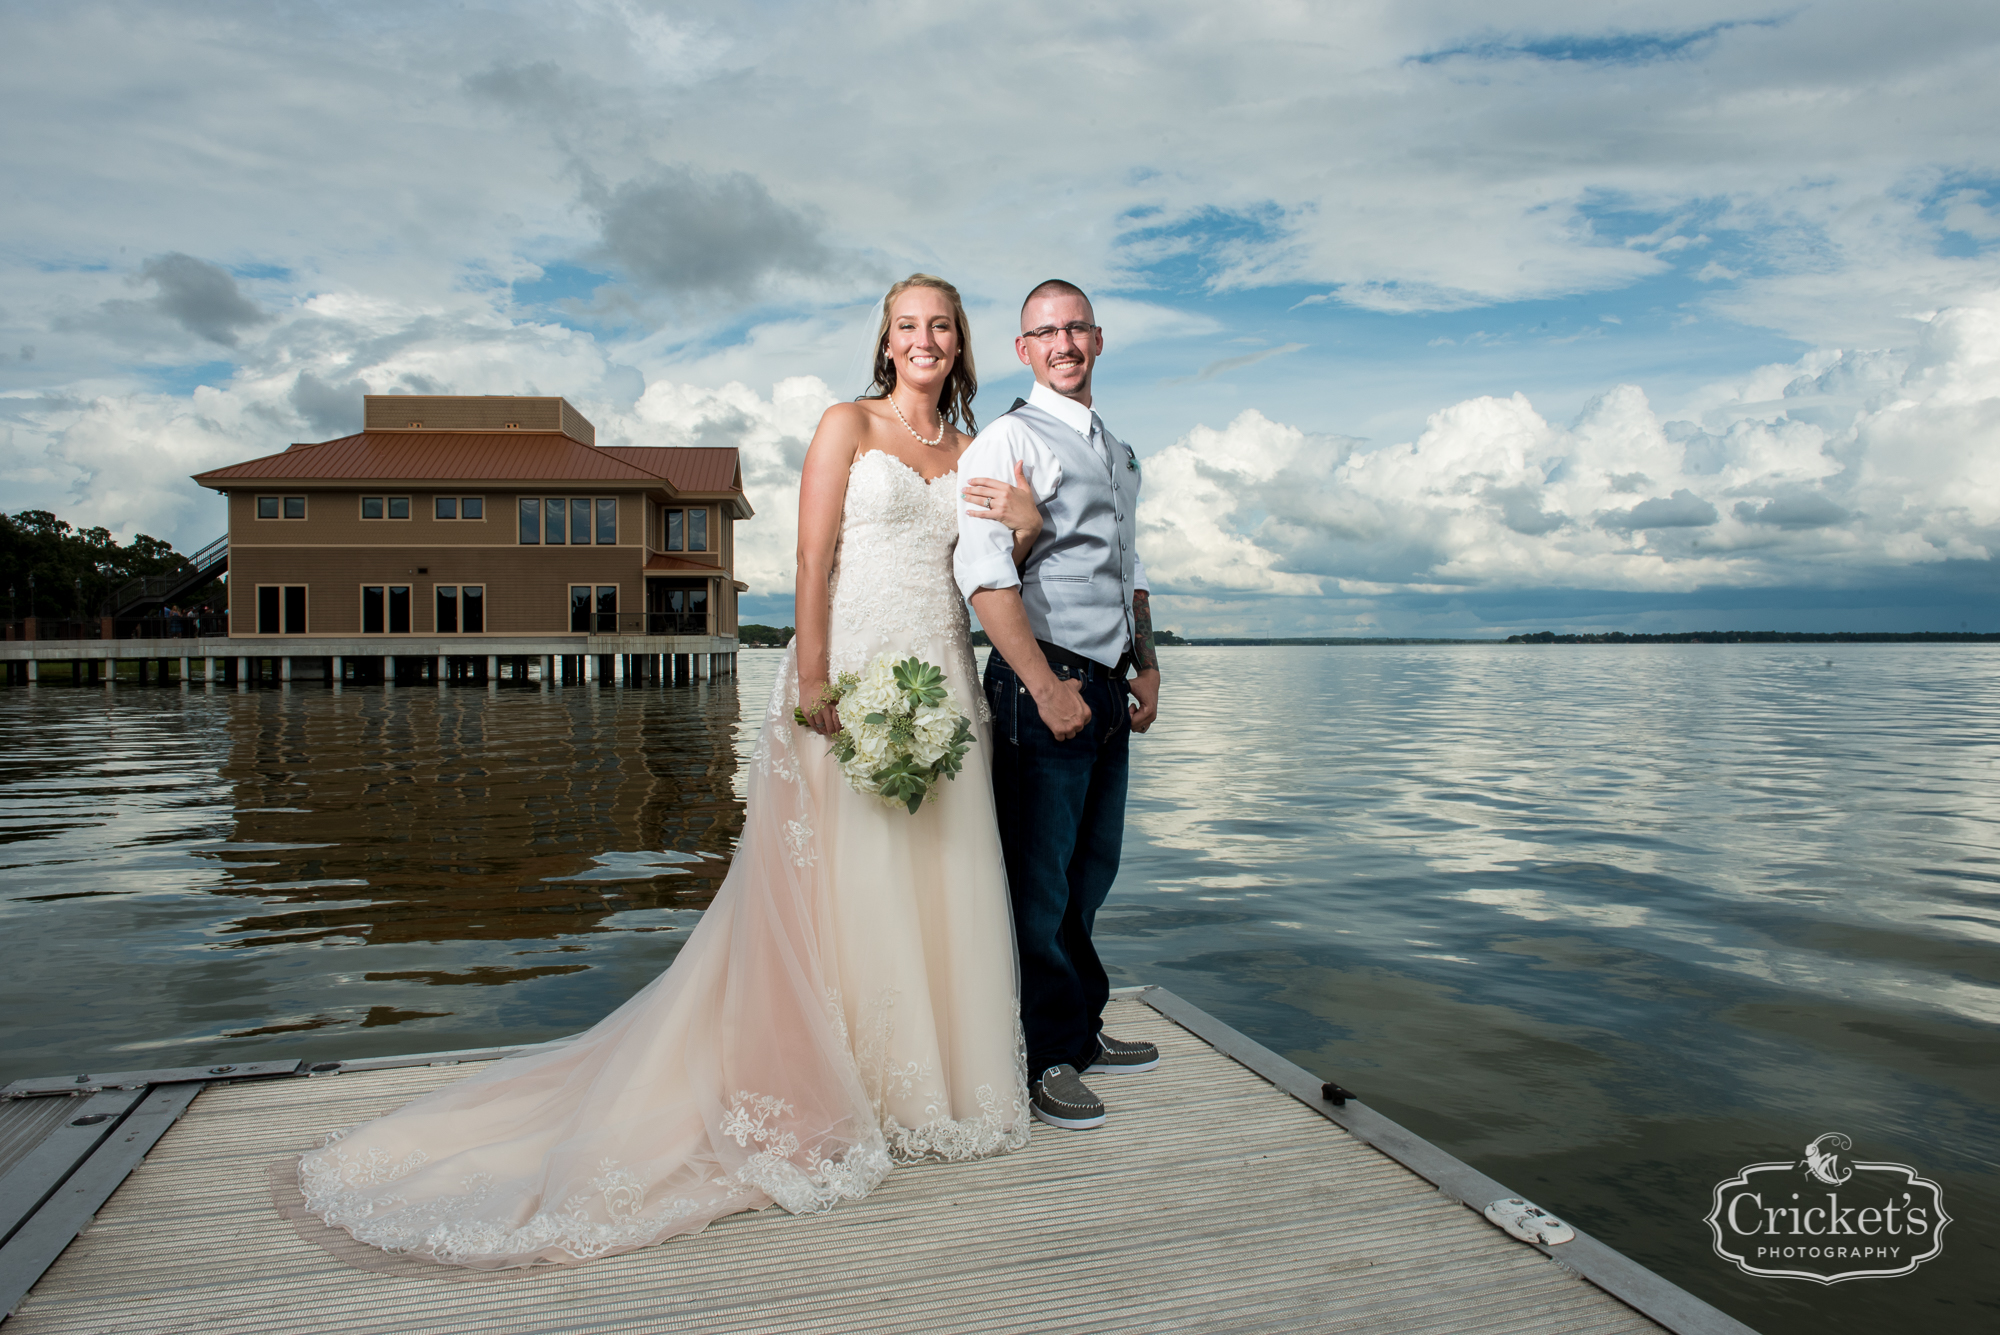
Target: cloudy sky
x,y
1429,318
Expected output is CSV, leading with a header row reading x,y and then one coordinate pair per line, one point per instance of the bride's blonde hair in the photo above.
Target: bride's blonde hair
x,y
960,383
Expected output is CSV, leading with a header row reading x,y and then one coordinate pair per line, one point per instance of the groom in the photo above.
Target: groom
x,y
1065,628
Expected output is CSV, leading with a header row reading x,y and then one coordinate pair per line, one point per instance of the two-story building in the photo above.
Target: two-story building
x,y
469,530
488,516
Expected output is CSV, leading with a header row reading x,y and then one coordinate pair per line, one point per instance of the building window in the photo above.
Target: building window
x,y
395,507
295,507
281,609
289,507
687,530
677,607
460,507
598,615
399,507
461,609
371,507
385,609
447,507
556,520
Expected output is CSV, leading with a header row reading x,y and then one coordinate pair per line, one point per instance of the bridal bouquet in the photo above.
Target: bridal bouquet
x,y
899,735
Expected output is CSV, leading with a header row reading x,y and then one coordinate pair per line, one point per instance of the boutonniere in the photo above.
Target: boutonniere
x,y
1131,460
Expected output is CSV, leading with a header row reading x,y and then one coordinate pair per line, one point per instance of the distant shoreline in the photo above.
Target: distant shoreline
x,y
1621,637
776,638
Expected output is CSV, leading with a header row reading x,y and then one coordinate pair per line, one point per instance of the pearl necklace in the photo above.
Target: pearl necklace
x,y
937,440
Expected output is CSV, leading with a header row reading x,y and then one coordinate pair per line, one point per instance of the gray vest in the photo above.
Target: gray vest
x,y
1077,584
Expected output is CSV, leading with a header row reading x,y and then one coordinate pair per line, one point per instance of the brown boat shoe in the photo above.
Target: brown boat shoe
x,y
1116,1056
1060,1098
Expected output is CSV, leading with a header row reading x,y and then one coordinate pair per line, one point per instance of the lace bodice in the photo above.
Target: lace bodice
x,y
892,586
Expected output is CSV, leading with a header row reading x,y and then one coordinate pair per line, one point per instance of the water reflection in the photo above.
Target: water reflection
x,y
1608,923
277,871
471,817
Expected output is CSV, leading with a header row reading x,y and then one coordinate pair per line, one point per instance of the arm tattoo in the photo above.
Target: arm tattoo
x,y
1144,656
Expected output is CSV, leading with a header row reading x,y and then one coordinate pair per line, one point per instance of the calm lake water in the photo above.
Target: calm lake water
x,y
1609,923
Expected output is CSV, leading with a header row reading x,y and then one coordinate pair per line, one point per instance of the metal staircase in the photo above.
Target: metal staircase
x,y
156,590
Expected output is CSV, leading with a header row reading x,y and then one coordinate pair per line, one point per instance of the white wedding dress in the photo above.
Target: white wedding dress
x,y
848,1002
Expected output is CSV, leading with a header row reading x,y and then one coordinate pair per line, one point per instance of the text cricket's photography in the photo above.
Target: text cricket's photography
x,y
1822,1239
605,725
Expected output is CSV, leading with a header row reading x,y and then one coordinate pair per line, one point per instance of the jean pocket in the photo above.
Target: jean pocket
x,y
1001,693
1039,737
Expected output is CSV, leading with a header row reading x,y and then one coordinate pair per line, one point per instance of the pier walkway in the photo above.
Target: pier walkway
x,y
329,658
1225,1194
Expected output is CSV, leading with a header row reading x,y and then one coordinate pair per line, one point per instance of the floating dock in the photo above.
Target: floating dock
x,y
1227,1193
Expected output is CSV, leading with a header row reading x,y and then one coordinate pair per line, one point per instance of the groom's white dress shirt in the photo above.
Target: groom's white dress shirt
x,y
1080,576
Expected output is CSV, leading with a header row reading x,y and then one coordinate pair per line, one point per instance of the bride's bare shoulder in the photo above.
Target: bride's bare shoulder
x,y
853,419
843,433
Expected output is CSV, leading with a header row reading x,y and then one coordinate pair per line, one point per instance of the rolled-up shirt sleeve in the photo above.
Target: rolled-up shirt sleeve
x,y
984,558
1139,584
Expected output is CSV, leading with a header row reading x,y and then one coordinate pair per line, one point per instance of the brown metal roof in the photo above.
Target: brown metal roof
x,y
445,456
688,467
483,456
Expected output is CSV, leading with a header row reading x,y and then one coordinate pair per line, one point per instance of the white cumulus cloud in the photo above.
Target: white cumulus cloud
x,y
1841,467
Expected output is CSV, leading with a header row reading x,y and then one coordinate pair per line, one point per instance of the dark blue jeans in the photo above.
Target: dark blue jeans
x,y
1061,807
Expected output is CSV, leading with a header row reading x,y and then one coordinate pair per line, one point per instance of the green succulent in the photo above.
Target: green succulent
x,y
921,683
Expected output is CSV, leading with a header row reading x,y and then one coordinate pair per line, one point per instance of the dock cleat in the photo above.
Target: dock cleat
x,y
1529,1222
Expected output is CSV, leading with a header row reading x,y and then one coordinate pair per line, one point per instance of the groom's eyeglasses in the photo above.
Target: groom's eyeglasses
x,y
1076,329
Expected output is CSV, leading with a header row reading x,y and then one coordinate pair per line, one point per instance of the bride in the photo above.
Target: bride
x,y
848,1002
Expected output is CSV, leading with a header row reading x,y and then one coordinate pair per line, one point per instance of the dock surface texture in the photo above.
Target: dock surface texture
x,y
1213,1200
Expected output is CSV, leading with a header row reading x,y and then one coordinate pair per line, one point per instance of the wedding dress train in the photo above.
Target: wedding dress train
x,y
847,1002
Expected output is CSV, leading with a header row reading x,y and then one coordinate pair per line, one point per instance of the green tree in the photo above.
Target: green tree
x,y
73,570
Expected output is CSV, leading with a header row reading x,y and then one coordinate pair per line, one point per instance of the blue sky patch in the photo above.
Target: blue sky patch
x,y
184,380
1187,254
1630,48
561,286
1966,212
